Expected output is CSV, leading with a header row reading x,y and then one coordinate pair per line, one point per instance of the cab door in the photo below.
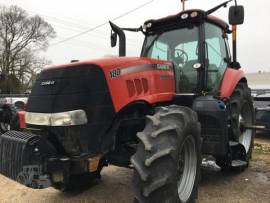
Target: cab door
x,y
217,56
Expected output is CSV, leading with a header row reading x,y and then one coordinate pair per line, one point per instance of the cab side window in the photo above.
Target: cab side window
x,y
160,51
216,55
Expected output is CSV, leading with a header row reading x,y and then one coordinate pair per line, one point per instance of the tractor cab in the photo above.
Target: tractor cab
x,y
195,43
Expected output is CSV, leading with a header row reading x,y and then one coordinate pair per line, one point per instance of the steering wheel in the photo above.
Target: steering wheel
x,y
181,58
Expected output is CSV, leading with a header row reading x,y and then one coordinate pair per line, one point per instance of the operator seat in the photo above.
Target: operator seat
x,y
188,77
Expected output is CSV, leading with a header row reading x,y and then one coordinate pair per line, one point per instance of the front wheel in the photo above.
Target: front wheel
x,y
168,157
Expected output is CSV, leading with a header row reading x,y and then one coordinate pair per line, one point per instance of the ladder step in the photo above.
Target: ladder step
x,y
233,144
238,163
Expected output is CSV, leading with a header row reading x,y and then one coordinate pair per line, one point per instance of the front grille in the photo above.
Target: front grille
x,y
71,88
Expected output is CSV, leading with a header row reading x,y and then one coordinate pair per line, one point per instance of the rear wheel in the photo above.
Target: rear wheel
x,y
168,157
241,115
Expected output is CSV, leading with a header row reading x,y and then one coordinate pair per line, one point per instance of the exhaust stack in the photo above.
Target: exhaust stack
x,y
122,38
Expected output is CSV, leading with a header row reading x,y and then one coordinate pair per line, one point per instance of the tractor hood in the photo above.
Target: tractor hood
x,y
83,85
113,62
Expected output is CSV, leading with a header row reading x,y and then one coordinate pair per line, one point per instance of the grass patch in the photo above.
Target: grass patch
x,y
261,152
261,148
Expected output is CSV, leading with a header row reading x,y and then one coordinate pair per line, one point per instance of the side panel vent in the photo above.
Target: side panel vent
x,y
145,85
137,87
131,88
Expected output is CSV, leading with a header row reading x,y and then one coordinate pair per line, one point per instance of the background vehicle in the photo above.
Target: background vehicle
x,y
262,108
263,117
158,113
8,118
19,101
10,105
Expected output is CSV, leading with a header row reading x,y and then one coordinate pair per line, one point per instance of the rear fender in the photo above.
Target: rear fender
x,y
231,78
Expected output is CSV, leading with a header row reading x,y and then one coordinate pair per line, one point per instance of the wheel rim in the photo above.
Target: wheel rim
x,y
245,118
187,169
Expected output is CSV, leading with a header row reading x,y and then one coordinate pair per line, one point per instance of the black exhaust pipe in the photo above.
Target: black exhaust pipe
x,y
122,38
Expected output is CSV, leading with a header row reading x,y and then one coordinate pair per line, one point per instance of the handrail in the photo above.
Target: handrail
x,y
13,95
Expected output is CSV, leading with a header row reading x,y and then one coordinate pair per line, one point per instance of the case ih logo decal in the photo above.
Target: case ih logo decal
x,y
134,69
49,82
163,67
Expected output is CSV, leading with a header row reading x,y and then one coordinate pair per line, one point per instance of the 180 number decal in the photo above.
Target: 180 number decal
x,y
115,73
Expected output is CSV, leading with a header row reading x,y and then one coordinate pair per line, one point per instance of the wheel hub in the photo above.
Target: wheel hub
x,y
187,169
245,119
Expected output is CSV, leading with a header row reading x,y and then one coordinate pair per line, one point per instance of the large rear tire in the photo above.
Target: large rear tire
x,y
168,158
241,115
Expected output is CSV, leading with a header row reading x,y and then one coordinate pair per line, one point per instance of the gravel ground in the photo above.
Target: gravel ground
x,y
253,185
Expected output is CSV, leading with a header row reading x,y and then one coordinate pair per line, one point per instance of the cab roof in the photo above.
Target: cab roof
x,y
184,17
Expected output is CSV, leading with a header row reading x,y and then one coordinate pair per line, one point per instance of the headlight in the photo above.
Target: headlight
x,y
194,14
69,118
37,118
184,16
77,117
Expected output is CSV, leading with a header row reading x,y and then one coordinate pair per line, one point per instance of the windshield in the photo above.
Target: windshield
x,y
180,47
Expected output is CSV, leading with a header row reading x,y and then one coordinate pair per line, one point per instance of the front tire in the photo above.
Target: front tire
x,y
168,158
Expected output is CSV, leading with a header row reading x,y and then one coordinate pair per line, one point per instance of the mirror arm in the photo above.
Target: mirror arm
x,y
217,7
140,29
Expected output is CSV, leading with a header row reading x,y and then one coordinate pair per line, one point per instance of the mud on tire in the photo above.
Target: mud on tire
x,y
168,158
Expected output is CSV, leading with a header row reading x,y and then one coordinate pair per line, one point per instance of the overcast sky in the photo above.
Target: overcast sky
x,y
72,17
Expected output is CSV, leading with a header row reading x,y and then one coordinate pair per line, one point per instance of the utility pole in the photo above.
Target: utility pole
x,y
183,4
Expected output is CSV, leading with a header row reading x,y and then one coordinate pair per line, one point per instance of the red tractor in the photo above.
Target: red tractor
x,y
184,97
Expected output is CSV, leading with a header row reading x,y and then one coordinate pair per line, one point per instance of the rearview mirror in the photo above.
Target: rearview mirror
x,y
113,39
236,15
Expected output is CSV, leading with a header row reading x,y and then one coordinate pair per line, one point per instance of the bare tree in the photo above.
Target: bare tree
x,y
22,37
